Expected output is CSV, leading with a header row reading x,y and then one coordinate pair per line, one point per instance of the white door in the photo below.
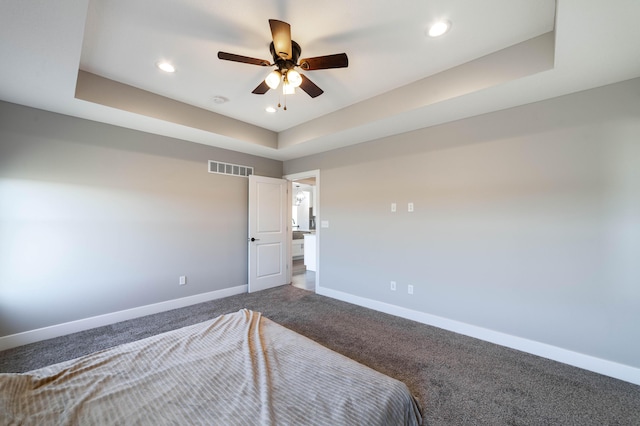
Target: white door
x,y
268,232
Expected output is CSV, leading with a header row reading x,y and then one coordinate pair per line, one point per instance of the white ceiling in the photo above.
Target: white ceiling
x,y
43,45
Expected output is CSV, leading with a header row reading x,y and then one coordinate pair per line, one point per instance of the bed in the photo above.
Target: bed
x,y
236,369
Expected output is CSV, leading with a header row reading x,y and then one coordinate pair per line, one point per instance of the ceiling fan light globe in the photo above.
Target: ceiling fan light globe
x,y
288,89
294,78
273,79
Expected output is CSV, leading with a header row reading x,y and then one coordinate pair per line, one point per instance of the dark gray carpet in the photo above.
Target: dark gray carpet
x,y
458,380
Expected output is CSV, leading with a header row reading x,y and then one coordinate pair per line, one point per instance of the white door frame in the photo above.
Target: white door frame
x,y
298,176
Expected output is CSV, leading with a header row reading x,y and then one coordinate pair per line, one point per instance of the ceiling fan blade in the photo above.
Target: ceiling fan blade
x,y
281,33
339,60
261,89
310,87
244,59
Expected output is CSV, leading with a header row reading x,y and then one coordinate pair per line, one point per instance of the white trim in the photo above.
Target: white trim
x,y
31,336
576,359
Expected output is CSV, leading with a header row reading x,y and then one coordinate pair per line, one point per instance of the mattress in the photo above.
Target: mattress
x,y
236,369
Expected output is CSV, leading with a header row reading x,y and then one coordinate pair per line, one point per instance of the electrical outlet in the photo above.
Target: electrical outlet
x,y
410,289
183,280
393,286
410,207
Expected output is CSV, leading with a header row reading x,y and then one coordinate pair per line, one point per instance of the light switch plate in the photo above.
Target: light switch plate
x,y
393,207
410,207
324,224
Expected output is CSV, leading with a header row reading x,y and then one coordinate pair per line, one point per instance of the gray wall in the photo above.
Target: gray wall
x,y
526,222
96,219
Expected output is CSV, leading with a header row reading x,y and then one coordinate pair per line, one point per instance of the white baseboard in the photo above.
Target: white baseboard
x,y
586,362
31,336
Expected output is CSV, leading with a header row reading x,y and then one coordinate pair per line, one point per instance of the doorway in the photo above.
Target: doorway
x,y
304,205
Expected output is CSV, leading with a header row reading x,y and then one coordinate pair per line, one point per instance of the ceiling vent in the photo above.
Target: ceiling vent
x,y
229,169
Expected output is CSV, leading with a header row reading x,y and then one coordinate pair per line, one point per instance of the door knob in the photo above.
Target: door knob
x,y
254,239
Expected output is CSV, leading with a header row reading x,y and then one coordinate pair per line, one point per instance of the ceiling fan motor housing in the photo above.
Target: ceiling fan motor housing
x,y
286,64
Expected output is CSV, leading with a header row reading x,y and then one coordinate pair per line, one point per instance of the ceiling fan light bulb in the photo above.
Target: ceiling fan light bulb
x,y
273,79
294,78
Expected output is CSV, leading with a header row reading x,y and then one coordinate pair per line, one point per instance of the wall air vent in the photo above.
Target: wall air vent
x,y
229,169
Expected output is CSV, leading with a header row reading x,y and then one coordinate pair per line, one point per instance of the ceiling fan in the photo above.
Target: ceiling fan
x,y
285,54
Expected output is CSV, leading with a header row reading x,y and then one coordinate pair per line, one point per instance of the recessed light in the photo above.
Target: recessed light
x,y
439,28
270,109
166,67
219,100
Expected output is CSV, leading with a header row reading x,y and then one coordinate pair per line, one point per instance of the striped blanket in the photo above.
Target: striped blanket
x,y
237,369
